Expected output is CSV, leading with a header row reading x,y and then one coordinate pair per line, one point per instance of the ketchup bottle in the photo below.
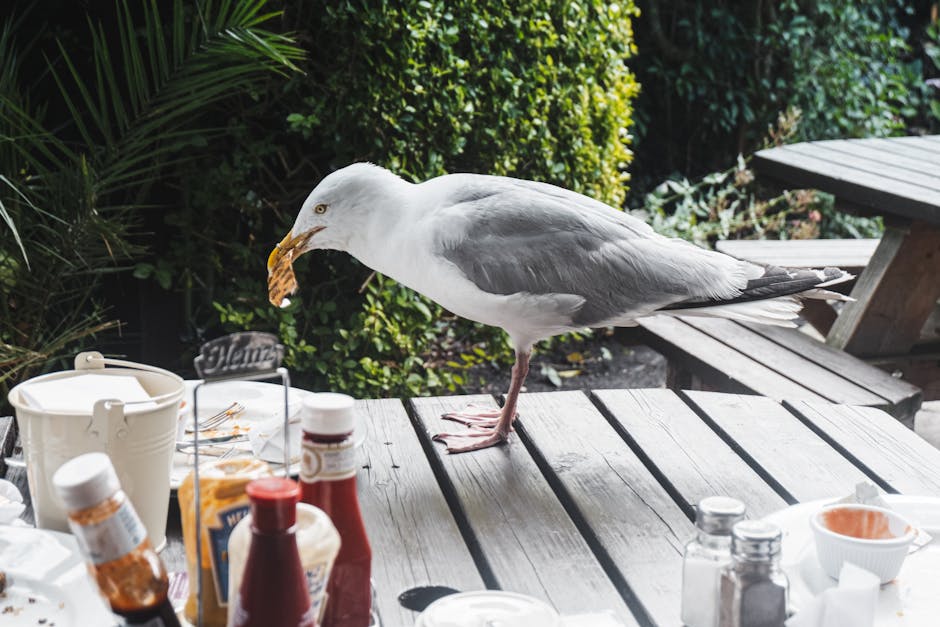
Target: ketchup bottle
x,y
273,592
328,481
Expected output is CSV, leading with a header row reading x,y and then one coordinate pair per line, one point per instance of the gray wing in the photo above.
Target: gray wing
x,y
509,236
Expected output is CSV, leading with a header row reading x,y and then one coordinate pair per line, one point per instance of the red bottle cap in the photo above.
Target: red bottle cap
x,y
273,503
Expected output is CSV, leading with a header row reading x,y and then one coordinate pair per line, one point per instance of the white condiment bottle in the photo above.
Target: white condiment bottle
x,y
704,557
317,541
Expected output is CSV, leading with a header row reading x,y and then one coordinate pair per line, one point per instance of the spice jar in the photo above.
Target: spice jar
x,y
317,542
223,503
704,557
113,539
754,589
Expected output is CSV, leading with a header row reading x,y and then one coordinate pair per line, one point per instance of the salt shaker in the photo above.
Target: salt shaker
x,y
754,589
704,557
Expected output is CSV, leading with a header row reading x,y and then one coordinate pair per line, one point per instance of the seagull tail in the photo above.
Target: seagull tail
x,y
779,312
774,298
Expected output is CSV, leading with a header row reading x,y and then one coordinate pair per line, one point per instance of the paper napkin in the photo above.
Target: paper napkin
x,y
267,440
11,504
851,604
78,394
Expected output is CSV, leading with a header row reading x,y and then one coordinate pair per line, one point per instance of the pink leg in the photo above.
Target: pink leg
x,y
477,437
475,416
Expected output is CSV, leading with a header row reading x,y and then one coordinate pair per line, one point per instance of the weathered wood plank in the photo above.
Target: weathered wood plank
x,y
858,188
415,539
894,295
880,155
877,442
802,157
645,532
802,253
716,363
685,451
523,533
778,446
780,358
903,397
891,145
921,144
861,163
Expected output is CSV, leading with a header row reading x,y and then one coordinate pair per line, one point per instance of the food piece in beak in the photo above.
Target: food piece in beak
x,y
281,279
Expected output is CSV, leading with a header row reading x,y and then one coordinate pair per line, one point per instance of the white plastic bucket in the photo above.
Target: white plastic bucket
x,y
140,443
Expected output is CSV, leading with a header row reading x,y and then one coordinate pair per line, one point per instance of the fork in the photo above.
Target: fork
x,y
217,419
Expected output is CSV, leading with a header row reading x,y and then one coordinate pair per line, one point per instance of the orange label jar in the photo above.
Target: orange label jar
x,y
114,541
223,503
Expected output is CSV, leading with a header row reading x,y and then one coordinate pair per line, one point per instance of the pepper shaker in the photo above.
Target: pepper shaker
x,y
704,557
754,589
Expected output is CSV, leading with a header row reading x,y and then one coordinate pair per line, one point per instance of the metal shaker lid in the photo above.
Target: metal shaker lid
x,y
755,540
716,515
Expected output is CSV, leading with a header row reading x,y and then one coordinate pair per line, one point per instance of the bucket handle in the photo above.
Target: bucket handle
x,y
93,360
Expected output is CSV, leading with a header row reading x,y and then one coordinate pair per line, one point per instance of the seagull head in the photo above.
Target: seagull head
x,y
338,209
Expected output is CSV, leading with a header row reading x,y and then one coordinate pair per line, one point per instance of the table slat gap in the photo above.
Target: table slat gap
x,y
900,161
742,452
801,461
791,365
882,143
859,163
930,154
726,367
671,439
416,540
604,557
452,498
894,391
524,532
598,397
909,465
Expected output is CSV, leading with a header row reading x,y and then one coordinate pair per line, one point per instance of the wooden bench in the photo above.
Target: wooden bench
x,y
779,363
852,255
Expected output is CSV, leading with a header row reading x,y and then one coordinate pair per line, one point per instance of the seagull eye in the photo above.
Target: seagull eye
x,y
319,209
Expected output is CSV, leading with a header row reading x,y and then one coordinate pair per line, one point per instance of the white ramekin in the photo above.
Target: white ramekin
x,y
883,558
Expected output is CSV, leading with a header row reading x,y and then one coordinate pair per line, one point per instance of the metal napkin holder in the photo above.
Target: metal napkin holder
x,y
243,356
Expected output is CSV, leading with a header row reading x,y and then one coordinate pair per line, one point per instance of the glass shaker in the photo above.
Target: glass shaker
x,y
754,589
704,557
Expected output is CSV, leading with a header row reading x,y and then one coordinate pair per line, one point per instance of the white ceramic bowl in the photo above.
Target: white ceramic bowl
x,y
873,538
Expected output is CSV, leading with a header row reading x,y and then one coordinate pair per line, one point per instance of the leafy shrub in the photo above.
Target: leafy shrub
x,y
715,74
89,141
538,89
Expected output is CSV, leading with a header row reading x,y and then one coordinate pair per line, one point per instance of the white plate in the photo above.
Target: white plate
x,y
912,599
47,579
262,401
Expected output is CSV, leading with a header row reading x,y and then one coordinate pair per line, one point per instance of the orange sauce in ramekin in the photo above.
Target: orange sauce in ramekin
x,y
858,523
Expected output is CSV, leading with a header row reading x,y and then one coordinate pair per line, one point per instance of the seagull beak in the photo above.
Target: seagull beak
x,y
290,245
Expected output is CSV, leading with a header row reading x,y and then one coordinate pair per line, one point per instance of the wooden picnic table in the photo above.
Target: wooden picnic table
x,y
898,178
589,505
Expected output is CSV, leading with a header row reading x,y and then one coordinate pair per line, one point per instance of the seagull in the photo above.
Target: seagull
x,y
532,258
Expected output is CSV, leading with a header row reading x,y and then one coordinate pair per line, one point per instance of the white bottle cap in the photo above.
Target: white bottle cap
x,y
328,413
85,481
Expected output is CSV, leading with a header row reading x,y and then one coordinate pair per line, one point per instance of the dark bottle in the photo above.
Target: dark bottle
x,y
273,592
114,541
328,481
